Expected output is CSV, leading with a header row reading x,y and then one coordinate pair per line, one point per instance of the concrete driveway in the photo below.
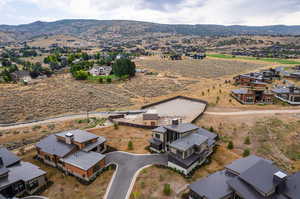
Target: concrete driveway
x,y
128,167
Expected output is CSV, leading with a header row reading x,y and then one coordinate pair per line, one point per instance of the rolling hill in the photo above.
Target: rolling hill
x,y
92,28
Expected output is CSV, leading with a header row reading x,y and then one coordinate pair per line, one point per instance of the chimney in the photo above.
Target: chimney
x,y
69,138
175,121
279,179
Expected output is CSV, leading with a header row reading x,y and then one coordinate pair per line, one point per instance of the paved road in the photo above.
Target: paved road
x,y
63,118
128,166
258,112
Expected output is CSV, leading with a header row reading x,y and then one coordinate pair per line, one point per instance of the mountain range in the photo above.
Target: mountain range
x,y
92,28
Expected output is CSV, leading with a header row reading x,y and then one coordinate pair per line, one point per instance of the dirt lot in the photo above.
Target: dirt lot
x,y
207,68
274,137
61,94
119,138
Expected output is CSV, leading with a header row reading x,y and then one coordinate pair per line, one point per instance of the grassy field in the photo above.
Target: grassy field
x,y
207,68
272,60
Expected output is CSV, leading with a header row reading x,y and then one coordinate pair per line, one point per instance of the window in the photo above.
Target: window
x,y
96,168
47,157
32,184
157,136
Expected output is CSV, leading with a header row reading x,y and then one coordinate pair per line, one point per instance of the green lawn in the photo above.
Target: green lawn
x,y
273,60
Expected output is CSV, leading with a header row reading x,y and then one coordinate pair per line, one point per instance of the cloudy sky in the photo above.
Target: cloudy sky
x,y
226,12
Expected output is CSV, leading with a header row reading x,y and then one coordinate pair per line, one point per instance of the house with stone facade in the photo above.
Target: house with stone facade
x,y
187,145
253,96
76,152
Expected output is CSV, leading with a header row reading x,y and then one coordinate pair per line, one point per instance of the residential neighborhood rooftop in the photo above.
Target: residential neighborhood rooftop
x,y
83,160
51,145
241,165
79,135
8,157
189,141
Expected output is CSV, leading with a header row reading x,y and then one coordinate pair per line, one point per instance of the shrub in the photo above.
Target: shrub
x,y
143,185
130,145
211,129
246,152
116,126
81,75
108,80
230,145
100,80
36,127
136,194
247,140
167,189
203,93
51,126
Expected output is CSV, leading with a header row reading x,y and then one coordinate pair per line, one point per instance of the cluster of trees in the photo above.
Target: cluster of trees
x,y
123,67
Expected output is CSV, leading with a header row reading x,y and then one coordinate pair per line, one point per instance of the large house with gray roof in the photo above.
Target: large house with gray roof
x,y
187,145
76,152
18,177
248,178
289,94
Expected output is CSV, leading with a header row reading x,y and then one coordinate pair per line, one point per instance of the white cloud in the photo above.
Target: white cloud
x,y
242,12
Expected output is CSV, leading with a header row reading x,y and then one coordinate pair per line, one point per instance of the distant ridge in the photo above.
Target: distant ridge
x,y
89,28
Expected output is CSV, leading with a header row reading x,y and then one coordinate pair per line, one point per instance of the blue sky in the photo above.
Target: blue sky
x,y
226,12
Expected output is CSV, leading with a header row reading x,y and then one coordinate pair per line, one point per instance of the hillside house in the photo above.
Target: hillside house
x,y
265,76
175,57
253,96
289,94
21,75
187,145
247,178
76,152
151,118
100,70
198,56
18,177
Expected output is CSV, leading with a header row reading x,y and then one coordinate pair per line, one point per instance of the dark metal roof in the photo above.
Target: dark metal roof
x,y
281,90
79,135
24,171
155,141
160,129
210,135
261,177
182,127
248,192
91,146
51,145
8,157
241,165
189,141
240,91
292,188
3,170
184,163
213,186
83,160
